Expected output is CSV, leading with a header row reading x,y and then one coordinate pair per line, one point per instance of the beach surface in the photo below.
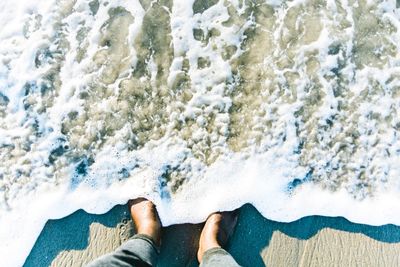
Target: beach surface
x,y
292,106
310,241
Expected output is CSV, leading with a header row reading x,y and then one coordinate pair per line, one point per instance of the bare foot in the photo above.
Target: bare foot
x,y
216,232
144,215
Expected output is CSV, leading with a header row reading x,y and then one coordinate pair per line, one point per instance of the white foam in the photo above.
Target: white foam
x,y
267,172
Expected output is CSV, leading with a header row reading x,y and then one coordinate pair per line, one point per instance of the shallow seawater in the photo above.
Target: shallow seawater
x,y
202,105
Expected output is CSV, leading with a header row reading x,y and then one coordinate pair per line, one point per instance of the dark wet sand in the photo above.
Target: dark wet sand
x,y
311,241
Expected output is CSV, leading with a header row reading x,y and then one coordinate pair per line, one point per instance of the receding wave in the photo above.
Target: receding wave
x,y
292,106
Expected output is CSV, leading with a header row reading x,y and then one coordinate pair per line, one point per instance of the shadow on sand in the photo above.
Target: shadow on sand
x,y
252,235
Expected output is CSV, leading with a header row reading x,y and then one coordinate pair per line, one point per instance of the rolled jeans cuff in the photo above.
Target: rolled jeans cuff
x,y
143,247
218,257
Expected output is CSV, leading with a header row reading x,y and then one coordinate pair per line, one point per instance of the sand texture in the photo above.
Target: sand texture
x,y
311,241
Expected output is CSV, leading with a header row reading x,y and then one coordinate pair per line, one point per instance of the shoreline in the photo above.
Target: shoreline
x,y
257,241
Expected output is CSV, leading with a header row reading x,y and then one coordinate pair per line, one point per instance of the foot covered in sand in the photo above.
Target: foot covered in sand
x,y
145,217
216,232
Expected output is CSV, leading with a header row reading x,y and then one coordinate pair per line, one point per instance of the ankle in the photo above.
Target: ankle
x,y
216,232
207,245
153,232
202,250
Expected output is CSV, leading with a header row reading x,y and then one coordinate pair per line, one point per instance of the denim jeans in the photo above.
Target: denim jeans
x,y
140,251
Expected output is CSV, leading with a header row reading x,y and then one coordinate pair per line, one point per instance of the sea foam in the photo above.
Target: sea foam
x,y
200,106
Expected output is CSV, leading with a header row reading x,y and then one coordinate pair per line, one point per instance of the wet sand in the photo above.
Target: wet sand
x,y
311,241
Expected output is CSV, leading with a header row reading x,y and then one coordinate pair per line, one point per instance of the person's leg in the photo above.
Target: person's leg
x,y
215,234
141,249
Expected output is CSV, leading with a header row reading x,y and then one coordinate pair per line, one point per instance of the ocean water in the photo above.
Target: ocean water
x,y
205,105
